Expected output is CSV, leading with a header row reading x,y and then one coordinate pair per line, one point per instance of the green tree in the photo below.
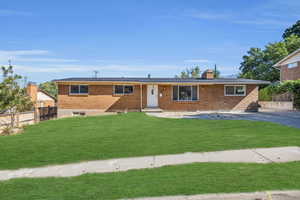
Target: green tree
x,y
293,30
49,87
217,73
258,63
193,72
13,98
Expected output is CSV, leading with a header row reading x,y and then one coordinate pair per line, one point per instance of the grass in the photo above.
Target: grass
x,y
170,180
134,134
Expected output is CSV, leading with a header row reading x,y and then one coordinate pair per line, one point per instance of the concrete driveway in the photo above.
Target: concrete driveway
x,y
288,118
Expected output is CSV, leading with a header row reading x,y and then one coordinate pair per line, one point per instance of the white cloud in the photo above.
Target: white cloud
x,y
85,68
5,12
197,61
30,56
205,15
263,22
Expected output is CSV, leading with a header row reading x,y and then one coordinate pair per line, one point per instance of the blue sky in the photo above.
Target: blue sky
x,y
56,39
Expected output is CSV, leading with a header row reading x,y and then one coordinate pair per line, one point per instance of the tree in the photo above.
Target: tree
x,y
13,98
258,63
293,30
193,72
216,72
50,88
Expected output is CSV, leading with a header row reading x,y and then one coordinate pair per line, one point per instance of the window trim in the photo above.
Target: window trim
x,y
198,96
295,64
235,95
70,93
123,85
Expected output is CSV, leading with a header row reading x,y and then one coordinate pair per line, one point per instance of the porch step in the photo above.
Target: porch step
x,y
152,110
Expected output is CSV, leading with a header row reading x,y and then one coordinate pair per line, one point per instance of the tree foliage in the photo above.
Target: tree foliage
x,y
193,72
290,86
50,88
294,29
13,98
258,63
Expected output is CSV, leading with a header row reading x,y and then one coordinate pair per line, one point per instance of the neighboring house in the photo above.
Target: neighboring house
x,y
40,97
289,66
88,96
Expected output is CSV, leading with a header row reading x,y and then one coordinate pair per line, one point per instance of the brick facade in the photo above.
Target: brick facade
x,y
289,73
102,99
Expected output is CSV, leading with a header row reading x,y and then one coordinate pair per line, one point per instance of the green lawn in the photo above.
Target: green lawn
x,y
170,180
134,134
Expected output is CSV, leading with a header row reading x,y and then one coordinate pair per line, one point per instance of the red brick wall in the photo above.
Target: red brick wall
x,y
211,98
289,73
100,97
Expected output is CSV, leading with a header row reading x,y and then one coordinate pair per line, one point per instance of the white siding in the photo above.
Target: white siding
x,y
43,97
295,58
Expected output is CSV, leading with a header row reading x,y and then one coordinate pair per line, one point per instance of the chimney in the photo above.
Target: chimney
x,y
208,74
32,90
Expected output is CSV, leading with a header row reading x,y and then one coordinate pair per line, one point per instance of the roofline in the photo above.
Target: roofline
x,y
170,82
285,58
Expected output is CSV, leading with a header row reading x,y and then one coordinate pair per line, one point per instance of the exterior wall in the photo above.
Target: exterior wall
x,y
289,73
211,97
276,105
101,99
44,100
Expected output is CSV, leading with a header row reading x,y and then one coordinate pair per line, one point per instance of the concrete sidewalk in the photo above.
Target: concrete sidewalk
x,y
261,155
271,195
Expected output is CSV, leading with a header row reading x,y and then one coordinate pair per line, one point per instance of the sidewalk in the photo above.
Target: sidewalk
x,y
261,155
271,195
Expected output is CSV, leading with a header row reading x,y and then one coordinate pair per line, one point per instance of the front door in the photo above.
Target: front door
x,y
152,96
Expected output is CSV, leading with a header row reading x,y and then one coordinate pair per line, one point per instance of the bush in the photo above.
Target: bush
x,y
292,87
267,93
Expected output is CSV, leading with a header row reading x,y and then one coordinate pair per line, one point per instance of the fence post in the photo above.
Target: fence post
x,y
36,115
18,119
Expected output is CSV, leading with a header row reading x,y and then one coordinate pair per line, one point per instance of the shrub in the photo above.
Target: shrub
x,y
292,87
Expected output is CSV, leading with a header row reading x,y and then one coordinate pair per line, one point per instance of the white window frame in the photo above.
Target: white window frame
x,y
114,89
70,93
234,95
198,96
292,65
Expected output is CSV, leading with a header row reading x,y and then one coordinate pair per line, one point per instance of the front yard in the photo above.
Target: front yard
x,y
134,134
171,180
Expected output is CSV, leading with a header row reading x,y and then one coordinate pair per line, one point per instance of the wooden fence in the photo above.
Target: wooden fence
x,y
23,118
46,113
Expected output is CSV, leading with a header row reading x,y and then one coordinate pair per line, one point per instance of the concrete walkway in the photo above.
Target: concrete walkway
x,y
271,195
261,155
288,118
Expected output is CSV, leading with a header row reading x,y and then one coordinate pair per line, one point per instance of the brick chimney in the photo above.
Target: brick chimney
x,y
208,74
32,90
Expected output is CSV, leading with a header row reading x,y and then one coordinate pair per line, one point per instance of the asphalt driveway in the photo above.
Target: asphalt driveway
x,y
288,118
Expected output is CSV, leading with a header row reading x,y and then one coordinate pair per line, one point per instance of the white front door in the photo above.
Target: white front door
x,y
152,95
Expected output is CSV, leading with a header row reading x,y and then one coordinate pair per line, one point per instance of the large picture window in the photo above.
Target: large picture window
x,y
235,90
79,89
123,89
185,93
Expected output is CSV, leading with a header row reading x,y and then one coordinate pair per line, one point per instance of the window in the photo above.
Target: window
x,y
79,89
185,93
123,89
78,113
235,90
291,65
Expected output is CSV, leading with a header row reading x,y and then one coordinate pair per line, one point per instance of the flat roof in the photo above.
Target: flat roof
x,y
165,80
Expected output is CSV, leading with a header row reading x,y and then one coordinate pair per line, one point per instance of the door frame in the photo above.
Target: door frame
x,y
154,97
